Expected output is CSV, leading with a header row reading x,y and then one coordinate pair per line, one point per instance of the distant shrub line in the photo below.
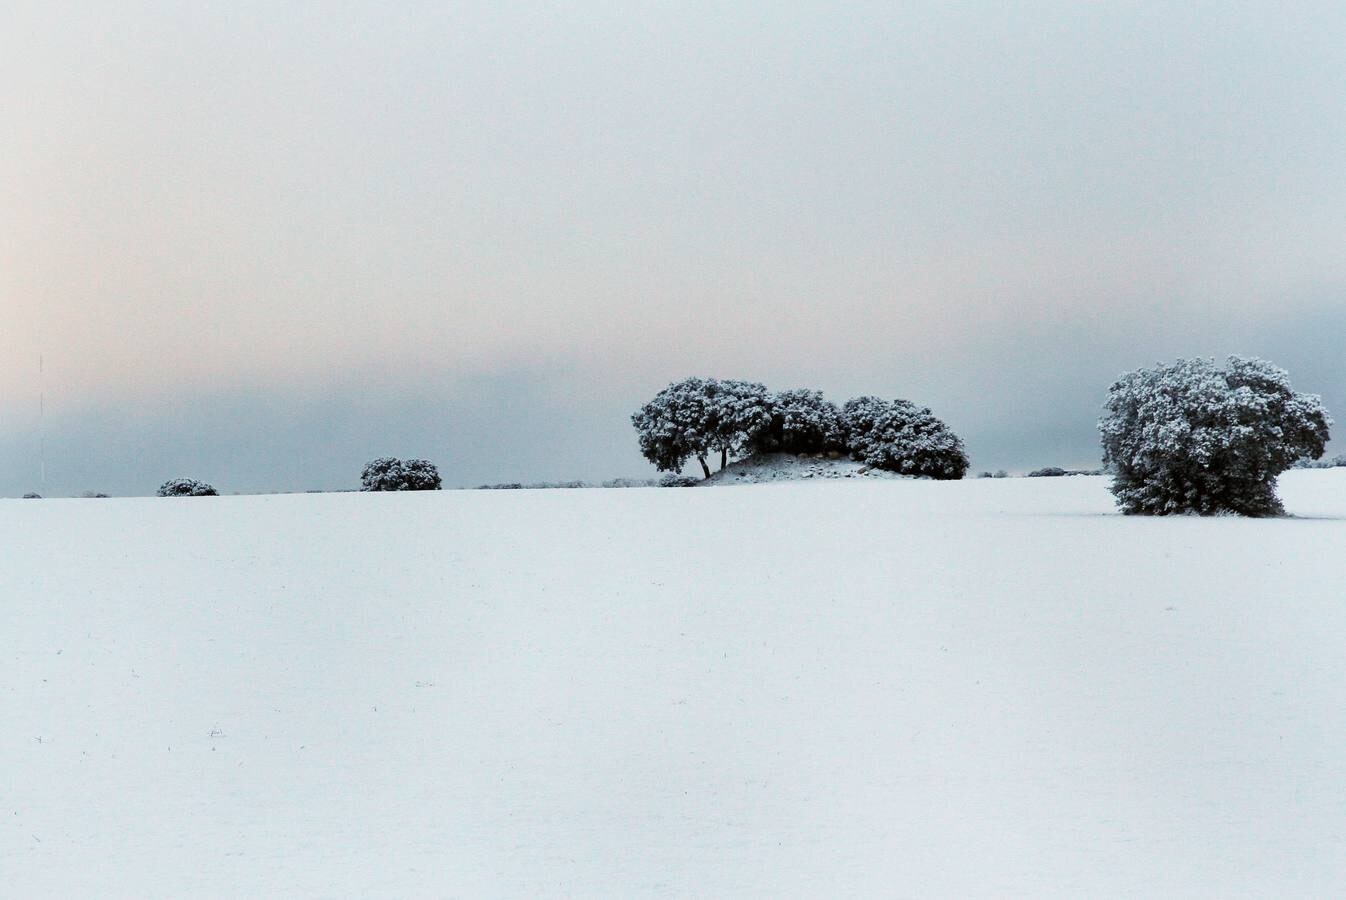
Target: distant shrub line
x,y
1336,462
1181,438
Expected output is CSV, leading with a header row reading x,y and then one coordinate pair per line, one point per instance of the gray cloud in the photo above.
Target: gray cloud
x,y
230,227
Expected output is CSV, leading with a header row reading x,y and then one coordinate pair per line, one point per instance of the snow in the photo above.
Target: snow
x,y
766,467
994,687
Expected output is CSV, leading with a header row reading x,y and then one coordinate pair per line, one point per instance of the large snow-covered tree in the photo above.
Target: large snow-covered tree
x,y
802,422
388,473
697,417
1192,438
900,436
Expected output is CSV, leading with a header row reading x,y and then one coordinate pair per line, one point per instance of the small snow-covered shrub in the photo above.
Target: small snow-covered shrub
x,y
899,436
1192,438
631,482
186,487
1336,462
387,473
32,496
1048,472
801,421
697,417
93,495
669,480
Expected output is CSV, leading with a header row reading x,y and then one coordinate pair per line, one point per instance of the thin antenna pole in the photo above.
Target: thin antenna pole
x,y
42,418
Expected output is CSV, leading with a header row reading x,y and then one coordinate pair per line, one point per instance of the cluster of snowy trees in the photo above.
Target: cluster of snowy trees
x,y
1189,437
1192,438
698,418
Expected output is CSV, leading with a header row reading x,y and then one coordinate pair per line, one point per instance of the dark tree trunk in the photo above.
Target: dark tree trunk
x,y
704,468
724,458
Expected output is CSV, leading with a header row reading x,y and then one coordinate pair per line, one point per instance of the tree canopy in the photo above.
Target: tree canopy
x,y
1189,437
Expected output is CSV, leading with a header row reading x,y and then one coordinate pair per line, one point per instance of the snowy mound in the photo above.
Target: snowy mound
x,y
788,467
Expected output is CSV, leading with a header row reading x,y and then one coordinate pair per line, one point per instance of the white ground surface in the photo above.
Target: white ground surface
x,y
886,688
768,467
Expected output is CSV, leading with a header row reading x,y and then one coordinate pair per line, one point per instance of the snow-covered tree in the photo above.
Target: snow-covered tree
x,y
697,417
387,473
1191,438
802,422
900,436
186,487
740,410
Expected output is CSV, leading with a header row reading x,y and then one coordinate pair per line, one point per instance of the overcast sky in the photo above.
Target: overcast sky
x,y
260,243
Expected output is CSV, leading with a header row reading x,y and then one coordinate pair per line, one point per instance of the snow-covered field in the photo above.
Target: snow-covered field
x,y
853,688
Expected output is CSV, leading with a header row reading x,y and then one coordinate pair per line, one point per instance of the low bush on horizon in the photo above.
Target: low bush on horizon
x,y
536,486
186,487
669,480
1336,462
630,482
388,473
